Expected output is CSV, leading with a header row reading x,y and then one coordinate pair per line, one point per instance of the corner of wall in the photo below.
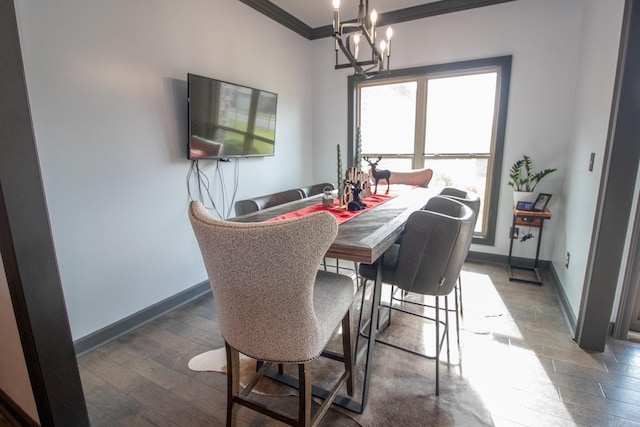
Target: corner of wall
x,y
565,306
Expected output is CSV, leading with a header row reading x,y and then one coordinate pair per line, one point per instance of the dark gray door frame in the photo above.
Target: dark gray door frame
x,y
630,283
27,249
617,191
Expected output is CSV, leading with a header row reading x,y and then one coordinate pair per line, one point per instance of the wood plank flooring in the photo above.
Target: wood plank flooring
x,y
516,365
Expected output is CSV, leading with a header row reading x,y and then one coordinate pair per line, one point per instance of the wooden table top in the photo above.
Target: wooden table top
x,y
367,236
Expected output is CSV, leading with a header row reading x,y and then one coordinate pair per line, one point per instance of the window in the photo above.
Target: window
x,y
450,118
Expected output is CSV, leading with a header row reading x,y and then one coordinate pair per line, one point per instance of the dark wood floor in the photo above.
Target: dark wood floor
x,y
3,421
516,365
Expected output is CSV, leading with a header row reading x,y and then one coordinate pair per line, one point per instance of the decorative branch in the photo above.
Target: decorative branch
x,y
358,150
340,183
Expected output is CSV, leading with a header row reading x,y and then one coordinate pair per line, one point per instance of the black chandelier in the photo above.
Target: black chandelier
x,y
349,36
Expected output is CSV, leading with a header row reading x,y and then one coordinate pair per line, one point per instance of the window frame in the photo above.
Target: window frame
x,y
502,65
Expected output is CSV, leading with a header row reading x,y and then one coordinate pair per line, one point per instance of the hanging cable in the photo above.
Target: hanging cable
x,y
205,188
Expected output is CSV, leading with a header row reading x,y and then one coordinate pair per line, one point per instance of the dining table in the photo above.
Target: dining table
x,y
364,238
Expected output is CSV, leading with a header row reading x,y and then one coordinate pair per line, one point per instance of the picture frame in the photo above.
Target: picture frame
x,y
541,202
524,206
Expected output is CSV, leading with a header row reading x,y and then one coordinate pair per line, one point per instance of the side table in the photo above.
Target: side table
x,y
527,219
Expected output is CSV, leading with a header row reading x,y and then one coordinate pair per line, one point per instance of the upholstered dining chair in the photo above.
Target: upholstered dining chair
x,y
255,204
273,303
420,177
315,189
473,201
427,261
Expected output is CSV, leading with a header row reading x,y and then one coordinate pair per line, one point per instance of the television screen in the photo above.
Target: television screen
x,y
229,120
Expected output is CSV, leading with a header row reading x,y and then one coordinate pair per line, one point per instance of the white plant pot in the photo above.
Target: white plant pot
x,y
523,196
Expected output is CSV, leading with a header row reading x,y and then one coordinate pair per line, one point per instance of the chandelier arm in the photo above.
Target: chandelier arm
x,y
376,54
354,27
352,60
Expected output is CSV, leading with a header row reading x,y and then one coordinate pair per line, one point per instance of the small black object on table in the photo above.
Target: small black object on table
x,y
527,219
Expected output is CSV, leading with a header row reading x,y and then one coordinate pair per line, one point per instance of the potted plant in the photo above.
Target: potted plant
x,y
524,180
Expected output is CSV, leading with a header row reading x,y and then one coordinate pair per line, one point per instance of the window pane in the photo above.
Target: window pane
x,y
465,174
460,112
397,165
387,118
446,117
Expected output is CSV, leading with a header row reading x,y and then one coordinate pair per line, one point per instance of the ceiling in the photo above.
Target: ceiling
x,y
312,19
317,13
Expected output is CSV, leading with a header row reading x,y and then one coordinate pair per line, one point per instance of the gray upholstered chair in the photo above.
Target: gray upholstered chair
x,y
312,190
473,201
255,204
272,302
427,262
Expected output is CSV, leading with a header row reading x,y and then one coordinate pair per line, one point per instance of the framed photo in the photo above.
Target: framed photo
x,y
524,206
541,202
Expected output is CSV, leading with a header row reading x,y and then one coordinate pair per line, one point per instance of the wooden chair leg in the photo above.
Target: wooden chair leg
x,y
347,350
363,290
304,402
233,384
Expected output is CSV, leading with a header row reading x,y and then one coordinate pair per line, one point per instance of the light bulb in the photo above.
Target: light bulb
x,y
389,32
374,17
356,42
383,46
336,4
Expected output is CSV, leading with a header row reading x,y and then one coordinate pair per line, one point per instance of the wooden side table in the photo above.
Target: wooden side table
x,y
527,219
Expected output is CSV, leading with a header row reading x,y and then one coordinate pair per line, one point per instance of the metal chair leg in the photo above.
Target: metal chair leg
x,y
460,286
457,319
446,320
437,346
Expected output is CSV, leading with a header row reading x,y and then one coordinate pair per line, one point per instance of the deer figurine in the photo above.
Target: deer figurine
x,y
356,204
378,174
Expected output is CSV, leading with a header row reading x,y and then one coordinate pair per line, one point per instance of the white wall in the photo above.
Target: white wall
x,y
564,63
542,35
107,86
599,45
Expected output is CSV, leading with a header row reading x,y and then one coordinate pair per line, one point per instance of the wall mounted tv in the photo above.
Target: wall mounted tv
x,y
229,120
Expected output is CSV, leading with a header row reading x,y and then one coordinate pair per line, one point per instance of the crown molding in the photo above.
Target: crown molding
x,y
281,16
402,15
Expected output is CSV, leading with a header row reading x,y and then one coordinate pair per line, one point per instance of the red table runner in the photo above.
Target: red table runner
x,y
341,215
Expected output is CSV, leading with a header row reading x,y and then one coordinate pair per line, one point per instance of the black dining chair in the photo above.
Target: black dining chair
x,y
316,189
255,204
427,261
473,201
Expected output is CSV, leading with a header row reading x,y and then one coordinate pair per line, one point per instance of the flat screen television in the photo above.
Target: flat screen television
x,y
228,120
